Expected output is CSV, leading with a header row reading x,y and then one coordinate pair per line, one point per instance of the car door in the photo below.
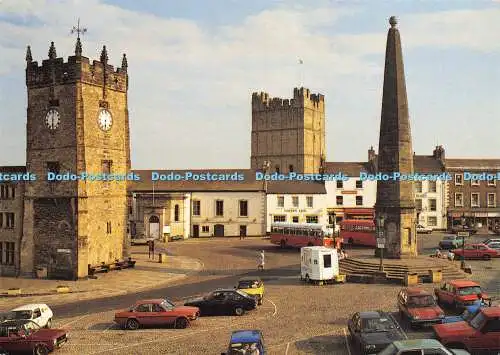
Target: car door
x,y
159,315
488,338
143,314
217,303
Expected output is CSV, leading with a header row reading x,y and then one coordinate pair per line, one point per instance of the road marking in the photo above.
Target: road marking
x,y
73,321
109,327
275,308
287,347
347,342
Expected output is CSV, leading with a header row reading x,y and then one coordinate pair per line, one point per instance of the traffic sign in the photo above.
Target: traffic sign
x,y
463,234
381,246
380,240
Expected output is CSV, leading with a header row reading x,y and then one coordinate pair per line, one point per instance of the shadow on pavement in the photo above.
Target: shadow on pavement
x,y
331,344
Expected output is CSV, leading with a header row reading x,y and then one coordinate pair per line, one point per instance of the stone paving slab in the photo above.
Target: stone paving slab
x,y
148,273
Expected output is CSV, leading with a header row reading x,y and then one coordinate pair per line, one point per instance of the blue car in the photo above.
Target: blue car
x,y
469,312
246,342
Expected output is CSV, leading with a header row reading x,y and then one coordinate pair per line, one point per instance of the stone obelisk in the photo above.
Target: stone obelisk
x,y
396,197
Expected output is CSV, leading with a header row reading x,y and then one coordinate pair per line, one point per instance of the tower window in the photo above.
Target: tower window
x,y
108,227
53,167
106,166
290,168
277,167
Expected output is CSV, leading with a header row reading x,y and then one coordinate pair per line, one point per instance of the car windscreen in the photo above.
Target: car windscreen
x,y
449,237
248,284
421,301
377,325
243,294
470,290
22,314
242,348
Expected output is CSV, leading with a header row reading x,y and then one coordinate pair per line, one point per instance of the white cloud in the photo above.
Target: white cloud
x,y
189,82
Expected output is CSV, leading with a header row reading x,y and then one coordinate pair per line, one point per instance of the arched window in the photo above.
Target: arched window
x,y
154,219
176,213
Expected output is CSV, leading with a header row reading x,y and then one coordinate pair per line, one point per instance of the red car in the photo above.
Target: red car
x,y
25,336
476,251
459,293
156,312
481,333
419,307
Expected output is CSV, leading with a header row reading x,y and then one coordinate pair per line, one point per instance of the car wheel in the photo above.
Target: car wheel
x,y
239,311
40,349
181,323
486,257
49,323
310,244
132,324
259,302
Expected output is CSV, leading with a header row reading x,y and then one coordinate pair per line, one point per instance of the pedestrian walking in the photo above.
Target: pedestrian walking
x,y
262,261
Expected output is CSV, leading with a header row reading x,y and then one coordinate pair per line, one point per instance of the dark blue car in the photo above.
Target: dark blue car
x,y
249,342
469,312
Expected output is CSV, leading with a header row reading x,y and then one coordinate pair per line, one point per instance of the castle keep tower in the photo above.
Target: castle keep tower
x,y
289,133
395,198
77,122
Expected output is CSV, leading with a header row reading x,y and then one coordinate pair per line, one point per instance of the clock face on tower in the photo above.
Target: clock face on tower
x,y
52,119
105,120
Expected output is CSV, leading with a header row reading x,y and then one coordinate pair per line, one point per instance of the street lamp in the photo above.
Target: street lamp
x,y
463,222
381,234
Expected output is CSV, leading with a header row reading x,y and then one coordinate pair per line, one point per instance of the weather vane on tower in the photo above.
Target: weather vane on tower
x,y
79,31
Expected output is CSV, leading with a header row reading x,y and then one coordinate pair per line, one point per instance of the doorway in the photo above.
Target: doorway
x,y
196,231
154,227
218,230
243,231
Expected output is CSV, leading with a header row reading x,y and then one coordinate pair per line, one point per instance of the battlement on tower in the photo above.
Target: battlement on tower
x,y
76,69
302,97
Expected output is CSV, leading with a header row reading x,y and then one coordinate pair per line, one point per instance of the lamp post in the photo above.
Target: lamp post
x,y
265,167
463,221
381,235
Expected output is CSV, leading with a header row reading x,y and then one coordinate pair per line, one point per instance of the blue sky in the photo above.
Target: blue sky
x,y
193,68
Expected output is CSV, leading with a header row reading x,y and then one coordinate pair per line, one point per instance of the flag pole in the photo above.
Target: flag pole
x,y
301,73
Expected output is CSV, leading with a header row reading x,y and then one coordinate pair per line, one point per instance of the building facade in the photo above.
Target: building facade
x,y
231,205
296,202
356,197
471,195
288,133
11,220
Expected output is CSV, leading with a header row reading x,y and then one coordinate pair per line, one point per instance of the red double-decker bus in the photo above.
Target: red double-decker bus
x,y
358,232
301,235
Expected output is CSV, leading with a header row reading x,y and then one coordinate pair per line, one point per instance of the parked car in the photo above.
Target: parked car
x,y
39,313
494,245
451,242
246,339
491,240
460,293
423,230
371,332
476,251
468,313
156,312
418,346
224,302
25,336
253,286
419,307
481,333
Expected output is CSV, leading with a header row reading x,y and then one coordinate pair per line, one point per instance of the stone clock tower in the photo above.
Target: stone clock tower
x,y
77,122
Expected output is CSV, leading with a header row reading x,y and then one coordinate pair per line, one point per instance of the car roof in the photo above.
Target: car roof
x,y
244,336
250,278
417,291
30,307
417,344
371,314
154,300
491,311
463,283
224,290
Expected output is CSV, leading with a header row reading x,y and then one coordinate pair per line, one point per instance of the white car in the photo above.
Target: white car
x,y
40,313
423,230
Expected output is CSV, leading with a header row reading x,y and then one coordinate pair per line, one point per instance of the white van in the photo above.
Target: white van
x,y
320,264
40,313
